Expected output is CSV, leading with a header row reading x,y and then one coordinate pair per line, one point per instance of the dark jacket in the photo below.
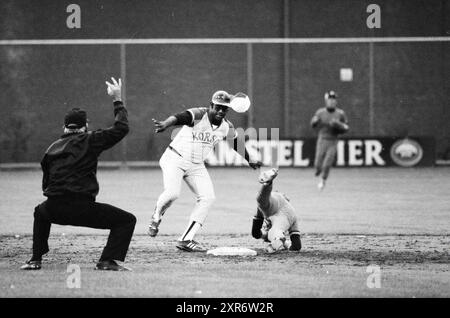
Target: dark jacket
x,y
70,163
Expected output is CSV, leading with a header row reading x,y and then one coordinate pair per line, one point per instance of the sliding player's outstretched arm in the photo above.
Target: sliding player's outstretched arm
x,y
257,224
296,243
294,233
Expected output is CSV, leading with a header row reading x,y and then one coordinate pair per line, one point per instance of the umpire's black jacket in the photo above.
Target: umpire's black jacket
x,y
70,163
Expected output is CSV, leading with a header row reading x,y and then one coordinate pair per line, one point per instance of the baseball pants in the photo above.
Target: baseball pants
x,y
82,211
175,169
326,150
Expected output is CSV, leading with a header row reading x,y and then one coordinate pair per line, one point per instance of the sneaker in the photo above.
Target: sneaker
x,y
153,228
267,176
31,265
110,266
190,246
321,185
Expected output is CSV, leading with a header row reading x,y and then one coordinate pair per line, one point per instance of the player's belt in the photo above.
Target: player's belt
x,y
174,150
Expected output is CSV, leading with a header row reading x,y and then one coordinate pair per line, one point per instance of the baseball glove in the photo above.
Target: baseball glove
x,y
338,127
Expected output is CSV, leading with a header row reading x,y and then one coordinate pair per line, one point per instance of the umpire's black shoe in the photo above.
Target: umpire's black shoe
x,y
110,266
31,265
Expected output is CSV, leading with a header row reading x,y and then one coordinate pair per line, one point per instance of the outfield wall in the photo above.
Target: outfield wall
x,y
39,83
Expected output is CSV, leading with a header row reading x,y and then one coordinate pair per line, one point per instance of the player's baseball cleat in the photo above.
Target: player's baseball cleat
x,y
110,266
190,246
321,185
153,228
267,176
31,265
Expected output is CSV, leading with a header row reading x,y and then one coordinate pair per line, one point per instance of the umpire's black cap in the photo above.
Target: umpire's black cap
x,y
330,94
75,118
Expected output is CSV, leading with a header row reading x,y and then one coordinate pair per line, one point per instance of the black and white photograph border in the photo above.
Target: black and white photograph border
x,y
225,154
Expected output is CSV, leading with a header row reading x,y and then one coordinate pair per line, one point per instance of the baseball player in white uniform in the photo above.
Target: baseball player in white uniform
x,y
202,128
275,217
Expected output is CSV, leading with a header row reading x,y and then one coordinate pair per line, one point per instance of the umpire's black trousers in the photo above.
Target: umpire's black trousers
x,y
83,211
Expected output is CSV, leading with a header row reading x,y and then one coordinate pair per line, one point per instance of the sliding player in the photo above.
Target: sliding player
x,y
275,217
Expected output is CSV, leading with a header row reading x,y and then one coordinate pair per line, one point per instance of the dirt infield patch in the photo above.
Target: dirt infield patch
x,y
329,265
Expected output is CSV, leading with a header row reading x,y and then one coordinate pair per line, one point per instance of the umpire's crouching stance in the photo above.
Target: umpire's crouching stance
x,y
70,183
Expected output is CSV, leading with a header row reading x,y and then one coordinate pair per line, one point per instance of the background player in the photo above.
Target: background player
x,y
331,122
184,160
275,217
70,185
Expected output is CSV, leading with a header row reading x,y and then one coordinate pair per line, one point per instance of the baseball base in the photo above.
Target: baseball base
x,y
231,251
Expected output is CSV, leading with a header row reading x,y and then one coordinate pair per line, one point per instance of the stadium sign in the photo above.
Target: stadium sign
x,y
351,152
406,152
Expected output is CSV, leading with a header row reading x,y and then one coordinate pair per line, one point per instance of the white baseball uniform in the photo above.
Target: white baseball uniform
x,y
184,159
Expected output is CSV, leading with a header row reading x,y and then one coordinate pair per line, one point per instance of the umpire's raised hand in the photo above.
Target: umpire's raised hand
x,y
115,89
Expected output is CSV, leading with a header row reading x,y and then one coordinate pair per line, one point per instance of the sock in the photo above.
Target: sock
x,y
190,232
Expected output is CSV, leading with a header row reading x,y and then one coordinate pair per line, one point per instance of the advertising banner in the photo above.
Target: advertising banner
x,y
351,152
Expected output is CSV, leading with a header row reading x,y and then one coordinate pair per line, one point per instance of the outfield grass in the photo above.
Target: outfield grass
x,y
377,201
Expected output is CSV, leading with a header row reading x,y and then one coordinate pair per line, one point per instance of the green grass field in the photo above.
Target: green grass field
x,y
397,219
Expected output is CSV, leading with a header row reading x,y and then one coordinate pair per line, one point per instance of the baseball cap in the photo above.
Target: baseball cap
x,y
239,102
221,98
330,94
75,118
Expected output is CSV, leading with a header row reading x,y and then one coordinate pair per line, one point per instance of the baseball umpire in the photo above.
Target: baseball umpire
x,y
70,184
275,217
330,121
